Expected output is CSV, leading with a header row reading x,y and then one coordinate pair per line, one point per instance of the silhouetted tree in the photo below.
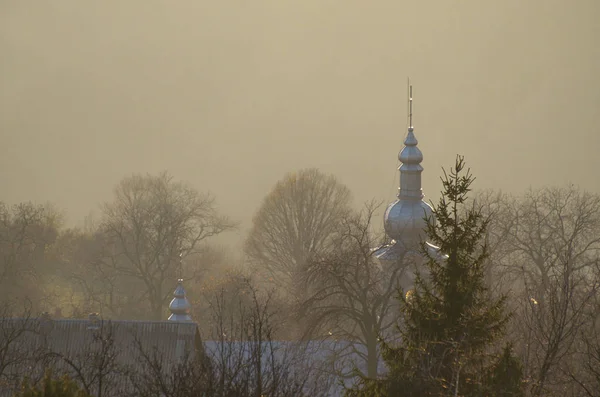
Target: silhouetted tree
x,y
248,359
448,322
96,367
546,246
26,233
17,354
587,374
353,294
152,224
190,376
296,221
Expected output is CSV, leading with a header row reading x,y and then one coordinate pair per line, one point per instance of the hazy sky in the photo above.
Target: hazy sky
x,y
229,95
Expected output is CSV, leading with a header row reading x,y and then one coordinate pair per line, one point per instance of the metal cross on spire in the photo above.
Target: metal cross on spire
x,y
180,265
410,125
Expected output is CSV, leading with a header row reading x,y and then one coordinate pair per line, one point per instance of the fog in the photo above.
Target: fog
x,y
230,95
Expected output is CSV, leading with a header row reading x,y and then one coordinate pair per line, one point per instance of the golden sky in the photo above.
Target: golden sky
x,y
229,95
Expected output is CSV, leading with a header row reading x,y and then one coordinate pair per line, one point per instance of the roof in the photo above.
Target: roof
x,y
77,341
71,336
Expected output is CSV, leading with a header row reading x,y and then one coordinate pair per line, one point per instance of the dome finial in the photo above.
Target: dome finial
x,y
179,306
411,157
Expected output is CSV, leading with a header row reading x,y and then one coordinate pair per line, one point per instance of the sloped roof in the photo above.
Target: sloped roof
x,y
78,340
74,336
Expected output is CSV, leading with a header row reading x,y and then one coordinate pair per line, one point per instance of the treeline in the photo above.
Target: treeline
x,y
124,266
512,309
116,359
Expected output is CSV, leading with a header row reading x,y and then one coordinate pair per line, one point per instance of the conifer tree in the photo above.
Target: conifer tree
x,y
51,386
449,323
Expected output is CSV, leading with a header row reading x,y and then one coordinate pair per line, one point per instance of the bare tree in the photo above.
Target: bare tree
x,y
354,294
26,232
98,284
224,296
189,377
545,245
152,224
553,326
584,370
18,355
247,359
498,208
296,221
240,357
96,368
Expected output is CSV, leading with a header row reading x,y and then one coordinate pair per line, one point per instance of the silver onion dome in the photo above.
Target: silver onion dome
x,y
179,306
404,219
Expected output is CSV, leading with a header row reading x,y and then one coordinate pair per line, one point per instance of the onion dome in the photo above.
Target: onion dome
x,y
180,306
404,219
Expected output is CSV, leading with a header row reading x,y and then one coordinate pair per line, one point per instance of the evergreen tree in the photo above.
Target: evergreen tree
x,y
505,376
51,386
449,322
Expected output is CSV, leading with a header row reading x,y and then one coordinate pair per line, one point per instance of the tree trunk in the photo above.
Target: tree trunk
x,y
156,306
372,359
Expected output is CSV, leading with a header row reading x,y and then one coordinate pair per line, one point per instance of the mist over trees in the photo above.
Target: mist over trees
x,y
548,256
296,222
448,323
27,233
512,309
236,99
353,296
152,225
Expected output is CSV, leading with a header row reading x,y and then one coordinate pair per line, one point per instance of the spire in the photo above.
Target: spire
x,y
409,105
179,306
411,157
404,219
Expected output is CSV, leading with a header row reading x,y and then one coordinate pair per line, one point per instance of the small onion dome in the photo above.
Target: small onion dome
x,y
179,306
410,154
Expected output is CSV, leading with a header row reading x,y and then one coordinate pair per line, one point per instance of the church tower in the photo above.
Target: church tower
x,y
404,219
